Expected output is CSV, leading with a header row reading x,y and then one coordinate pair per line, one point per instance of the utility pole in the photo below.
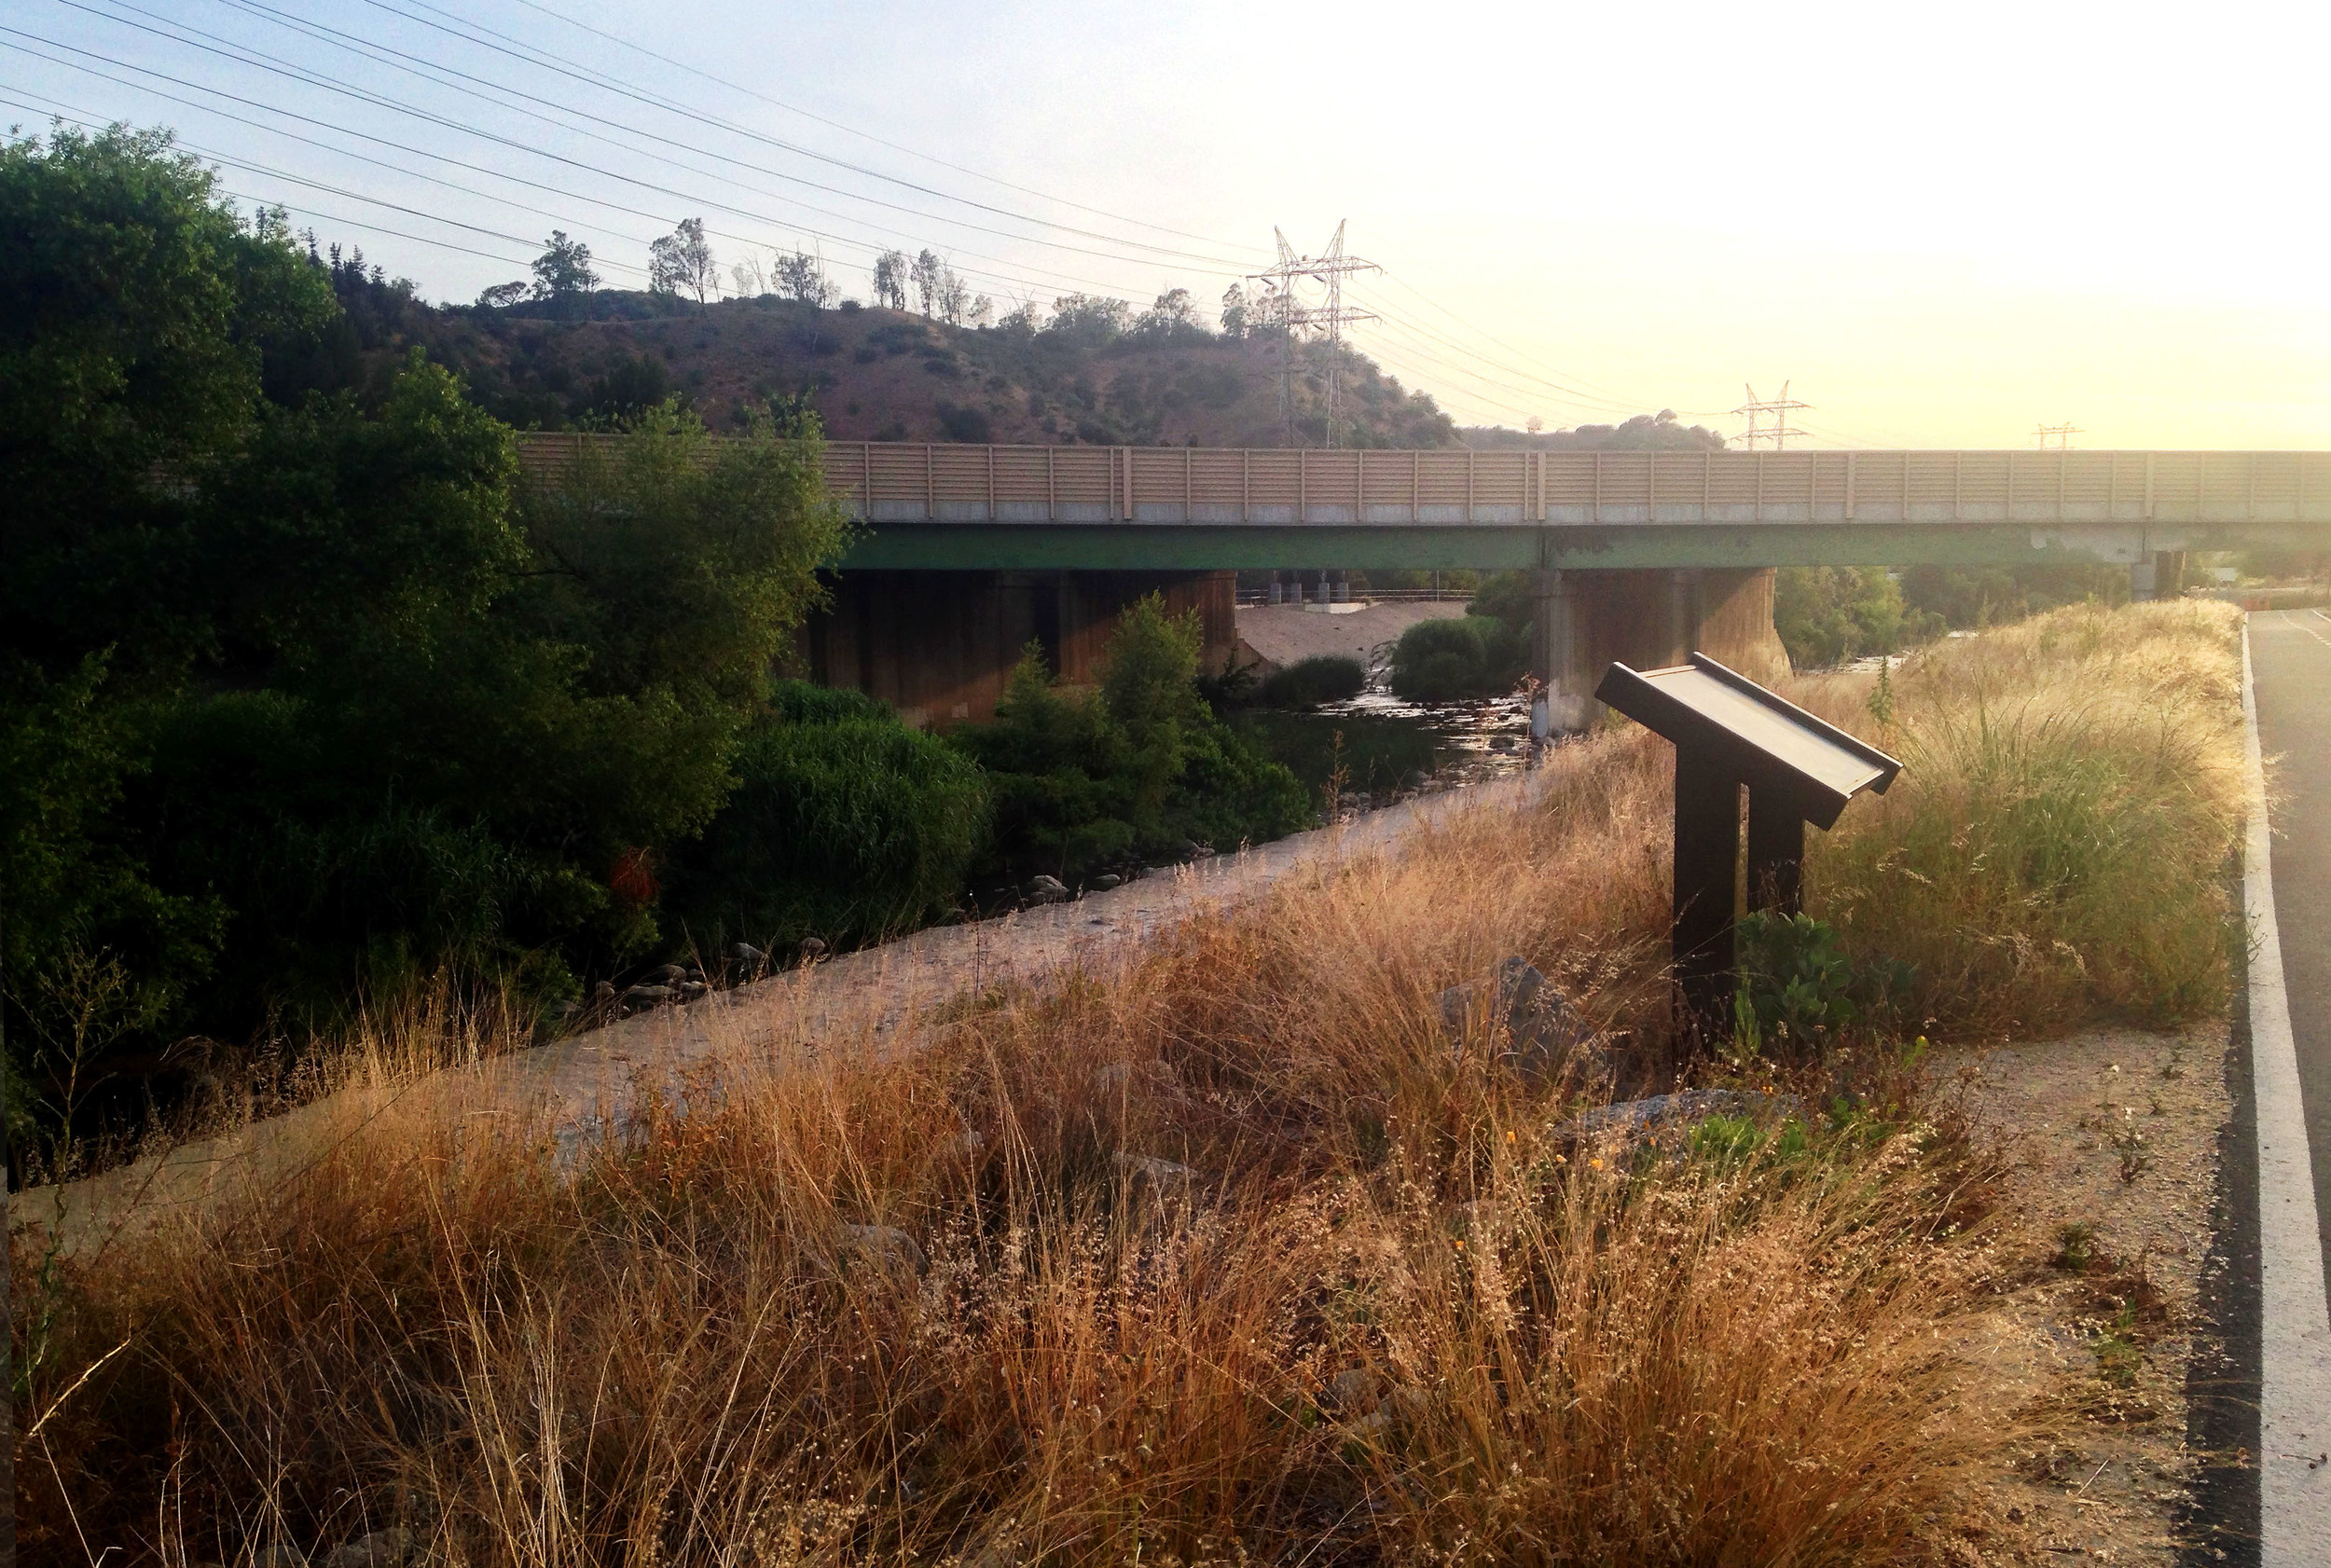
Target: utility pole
x,y
1285,306
1777,409
2061,434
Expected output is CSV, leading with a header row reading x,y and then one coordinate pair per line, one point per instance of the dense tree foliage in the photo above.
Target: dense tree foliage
x,y
1826,615
302,690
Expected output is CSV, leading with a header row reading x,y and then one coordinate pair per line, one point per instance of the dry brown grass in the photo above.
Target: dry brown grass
x,y
1390,1317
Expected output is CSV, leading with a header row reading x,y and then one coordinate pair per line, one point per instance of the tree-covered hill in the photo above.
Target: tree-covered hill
x,y
1094,371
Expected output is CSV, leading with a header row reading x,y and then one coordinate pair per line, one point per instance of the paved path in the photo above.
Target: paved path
x,y
856,1001
2288,905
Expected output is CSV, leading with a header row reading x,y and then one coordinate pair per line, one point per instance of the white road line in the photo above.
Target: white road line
x,y
2301,626
2294,1400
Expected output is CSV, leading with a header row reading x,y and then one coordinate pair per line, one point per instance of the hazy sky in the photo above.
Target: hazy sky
x,y
1941,224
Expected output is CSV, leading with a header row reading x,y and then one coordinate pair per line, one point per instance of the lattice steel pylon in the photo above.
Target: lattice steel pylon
x,y
1778,408
1282,305
2062,435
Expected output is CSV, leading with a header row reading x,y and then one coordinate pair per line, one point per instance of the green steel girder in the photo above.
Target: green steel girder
x,y
1370,546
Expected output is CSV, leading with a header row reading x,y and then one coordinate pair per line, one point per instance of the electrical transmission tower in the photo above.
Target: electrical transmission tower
x,y
1777,409
2061,434
1283,306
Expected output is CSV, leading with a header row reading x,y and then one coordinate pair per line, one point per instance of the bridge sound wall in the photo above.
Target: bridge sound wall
x,y
938,645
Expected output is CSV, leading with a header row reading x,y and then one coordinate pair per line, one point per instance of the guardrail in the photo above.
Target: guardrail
x,y
900,482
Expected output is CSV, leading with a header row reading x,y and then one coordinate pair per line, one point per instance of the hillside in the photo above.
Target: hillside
x,y
884,375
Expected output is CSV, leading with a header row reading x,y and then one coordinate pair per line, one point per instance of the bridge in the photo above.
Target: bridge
x,y
1640,554
1188,508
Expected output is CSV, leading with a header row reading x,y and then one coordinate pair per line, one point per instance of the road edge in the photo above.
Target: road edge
x,y
2294,1328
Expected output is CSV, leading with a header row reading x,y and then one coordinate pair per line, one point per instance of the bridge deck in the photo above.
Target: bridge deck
x,y
1243,507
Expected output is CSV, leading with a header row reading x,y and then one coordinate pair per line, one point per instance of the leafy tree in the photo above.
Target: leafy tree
x,y
1967,597
501,297
1509,597
299,697
630,387
1172,318
1826,615
931,282
890,274
562,273
136,313
681,263
1088,320
801,277
1235,312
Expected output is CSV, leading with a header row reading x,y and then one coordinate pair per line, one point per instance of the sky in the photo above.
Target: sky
x,y
1939,225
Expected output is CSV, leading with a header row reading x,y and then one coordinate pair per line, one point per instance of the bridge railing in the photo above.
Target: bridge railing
x,y
900,482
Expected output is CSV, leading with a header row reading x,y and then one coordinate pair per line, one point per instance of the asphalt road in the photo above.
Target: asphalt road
x,y
2290,652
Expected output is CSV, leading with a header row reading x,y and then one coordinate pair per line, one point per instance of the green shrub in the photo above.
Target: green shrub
x,y
1465,656
1309,682
845,825
1088,780
1797,986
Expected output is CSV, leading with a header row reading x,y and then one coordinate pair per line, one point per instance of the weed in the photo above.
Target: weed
x,y
2119,1356
2076,1246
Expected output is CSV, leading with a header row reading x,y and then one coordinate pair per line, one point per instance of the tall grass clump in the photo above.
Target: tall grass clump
x,y
2057,846
1238,1249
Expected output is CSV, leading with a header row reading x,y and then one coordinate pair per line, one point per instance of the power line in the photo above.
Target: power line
x,y
74,115
2062,435
462,128
243,54
575,71
821,119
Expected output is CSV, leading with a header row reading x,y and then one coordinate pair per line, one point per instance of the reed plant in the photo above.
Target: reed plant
x,y
1235,1250
2059,845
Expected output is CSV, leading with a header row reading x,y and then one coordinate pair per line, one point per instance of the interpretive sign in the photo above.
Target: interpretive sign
x,y
1728,732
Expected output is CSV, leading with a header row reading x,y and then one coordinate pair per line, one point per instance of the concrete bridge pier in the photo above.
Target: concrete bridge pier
x,y
2157,575
938,645
1648,618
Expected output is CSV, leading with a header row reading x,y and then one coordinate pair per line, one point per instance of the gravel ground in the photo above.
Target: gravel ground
x,y
2086,1346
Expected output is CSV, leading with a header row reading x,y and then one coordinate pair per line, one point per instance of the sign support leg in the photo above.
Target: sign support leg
x,y
1707,861
1776,854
